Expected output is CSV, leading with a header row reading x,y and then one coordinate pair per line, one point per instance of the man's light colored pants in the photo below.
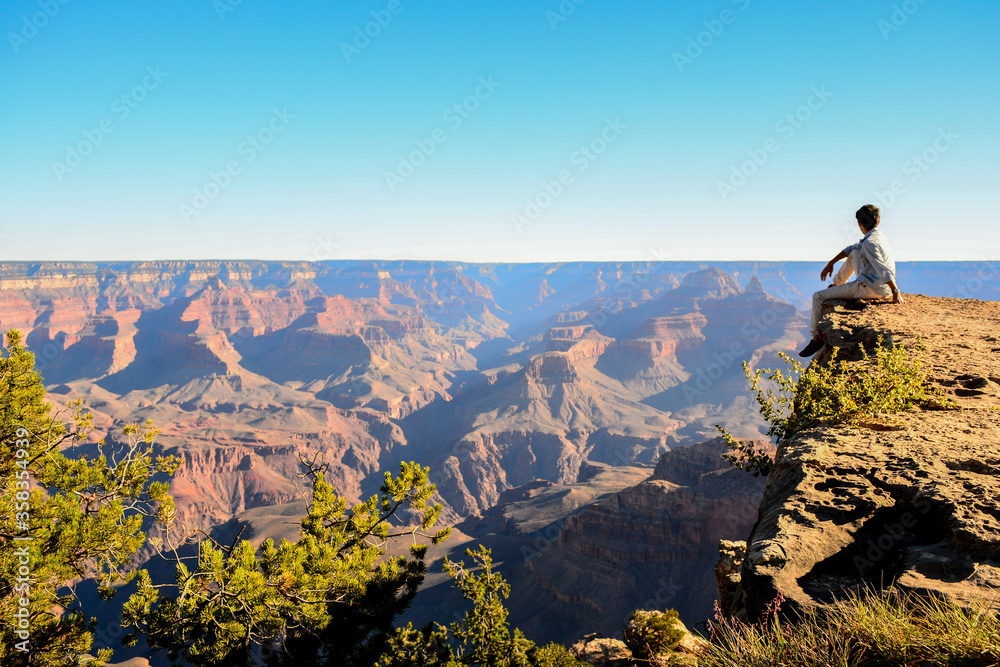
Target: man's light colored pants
x,y
844,290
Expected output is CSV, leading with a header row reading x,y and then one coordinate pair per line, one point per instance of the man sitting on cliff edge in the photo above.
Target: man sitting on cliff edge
x,y
871,258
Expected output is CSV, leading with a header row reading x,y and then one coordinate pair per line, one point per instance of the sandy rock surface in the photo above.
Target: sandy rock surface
x,y
602,652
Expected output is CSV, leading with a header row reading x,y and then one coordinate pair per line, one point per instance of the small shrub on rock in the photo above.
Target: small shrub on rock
x,y
553,655
888,381
653,633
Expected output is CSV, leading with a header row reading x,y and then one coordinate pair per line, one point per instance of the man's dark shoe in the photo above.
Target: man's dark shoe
x,y
812,348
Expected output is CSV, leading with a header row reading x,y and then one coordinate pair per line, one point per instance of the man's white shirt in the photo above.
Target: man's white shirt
x,y
876,264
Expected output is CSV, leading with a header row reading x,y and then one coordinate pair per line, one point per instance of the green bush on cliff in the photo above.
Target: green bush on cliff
x,y
553,655
890,380
649,634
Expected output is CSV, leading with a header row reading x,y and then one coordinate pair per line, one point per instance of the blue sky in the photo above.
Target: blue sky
x,y
489,131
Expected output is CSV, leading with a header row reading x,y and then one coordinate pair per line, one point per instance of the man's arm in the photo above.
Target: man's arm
x,y
896,296
828,269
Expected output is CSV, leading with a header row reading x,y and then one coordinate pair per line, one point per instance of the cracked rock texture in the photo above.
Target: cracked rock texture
x,y
914,500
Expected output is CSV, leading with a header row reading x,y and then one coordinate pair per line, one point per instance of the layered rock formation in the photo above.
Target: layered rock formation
x,y
913,500
492,375
617,387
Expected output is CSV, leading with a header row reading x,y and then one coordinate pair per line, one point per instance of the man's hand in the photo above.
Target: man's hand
x,y
827,270
896,296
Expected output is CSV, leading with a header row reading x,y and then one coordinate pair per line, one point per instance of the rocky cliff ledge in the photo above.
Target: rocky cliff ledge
x,y
913,501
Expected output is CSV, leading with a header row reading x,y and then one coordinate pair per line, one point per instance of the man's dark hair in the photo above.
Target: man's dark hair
x,y
868,215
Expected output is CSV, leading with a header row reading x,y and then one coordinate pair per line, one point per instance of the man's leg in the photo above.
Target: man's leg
x,y
847,291
852,290
846,271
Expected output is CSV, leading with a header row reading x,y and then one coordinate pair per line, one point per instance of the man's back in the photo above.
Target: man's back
x,y
876,264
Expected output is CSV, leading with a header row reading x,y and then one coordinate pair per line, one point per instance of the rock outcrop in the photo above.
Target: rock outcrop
x,y
601,651
913,500
727,574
